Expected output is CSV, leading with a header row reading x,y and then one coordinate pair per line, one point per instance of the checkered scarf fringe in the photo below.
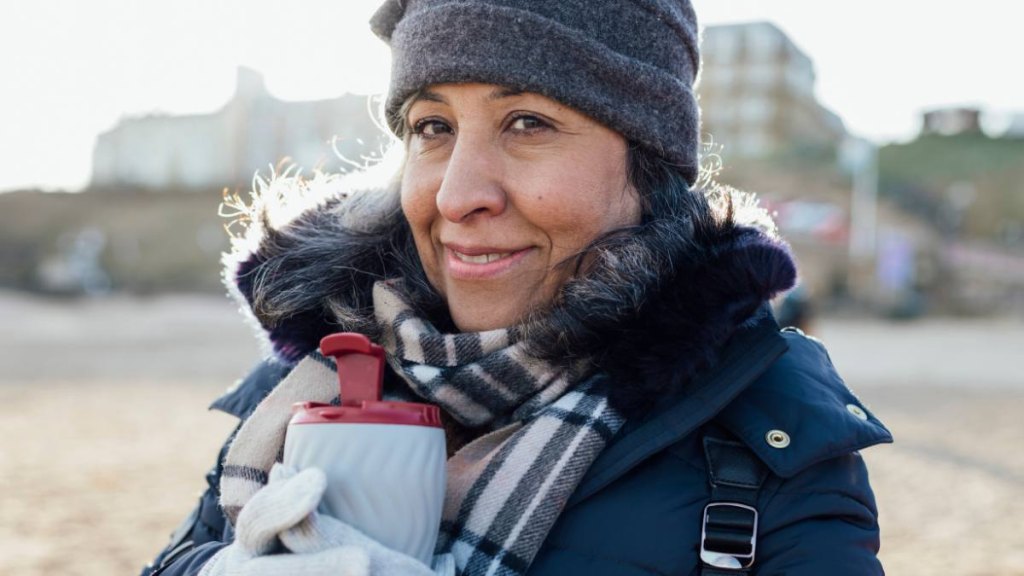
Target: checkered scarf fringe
x,y
506,488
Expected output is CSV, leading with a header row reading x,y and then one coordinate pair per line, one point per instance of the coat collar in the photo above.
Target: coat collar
x,y
802,396
766,380
242,398
743,359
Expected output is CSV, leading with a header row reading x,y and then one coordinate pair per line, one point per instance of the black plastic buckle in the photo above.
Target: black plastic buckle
x,y
728,536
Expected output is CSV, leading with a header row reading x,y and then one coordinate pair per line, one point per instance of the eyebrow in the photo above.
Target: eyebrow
x,y
496,94
503,92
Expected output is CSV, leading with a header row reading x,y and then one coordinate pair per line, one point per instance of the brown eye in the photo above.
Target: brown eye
x,y
431,128
527,123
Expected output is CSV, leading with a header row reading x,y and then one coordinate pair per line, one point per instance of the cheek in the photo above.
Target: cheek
x,y
576,206
420,209
419,201
610,202
412,197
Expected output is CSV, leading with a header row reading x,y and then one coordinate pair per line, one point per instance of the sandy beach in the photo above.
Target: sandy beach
x,y
106,436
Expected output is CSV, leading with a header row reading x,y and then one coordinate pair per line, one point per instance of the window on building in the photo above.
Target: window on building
x,y
764,43
800,76
762,76
722,45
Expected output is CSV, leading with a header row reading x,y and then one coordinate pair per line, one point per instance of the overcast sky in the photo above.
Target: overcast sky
x,y
69,69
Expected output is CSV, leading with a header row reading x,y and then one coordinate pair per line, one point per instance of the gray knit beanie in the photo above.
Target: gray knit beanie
x,y
629,64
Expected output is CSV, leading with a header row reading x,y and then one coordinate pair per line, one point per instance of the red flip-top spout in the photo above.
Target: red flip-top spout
x,y
360,366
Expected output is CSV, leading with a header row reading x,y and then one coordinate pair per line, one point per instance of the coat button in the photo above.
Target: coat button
x,y
857,411
777,438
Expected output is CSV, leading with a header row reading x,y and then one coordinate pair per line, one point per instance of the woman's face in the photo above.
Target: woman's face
x,y
500,188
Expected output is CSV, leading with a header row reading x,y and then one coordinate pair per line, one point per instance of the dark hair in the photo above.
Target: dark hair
x,y
662,188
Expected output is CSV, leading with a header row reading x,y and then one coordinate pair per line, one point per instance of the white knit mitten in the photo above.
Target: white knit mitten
x,y
344,561
288,498
319,532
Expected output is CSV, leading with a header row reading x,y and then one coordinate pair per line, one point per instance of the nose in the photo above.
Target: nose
x,y
472,185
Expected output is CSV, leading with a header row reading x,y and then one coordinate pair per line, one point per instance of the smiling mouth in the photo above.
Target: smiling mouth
x,y
480,258
480,264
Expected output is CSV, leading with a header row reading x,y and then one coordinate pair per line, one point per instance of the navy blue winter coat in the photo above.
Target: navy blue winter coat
x,y
639,509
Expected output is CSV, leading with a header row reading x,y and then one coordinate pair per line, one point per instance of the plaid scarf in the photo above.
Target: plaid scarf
x,y
506,488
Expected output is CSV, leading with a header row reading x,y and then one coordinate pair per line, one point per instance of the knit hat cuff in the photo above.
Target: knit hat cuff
x,y
456,43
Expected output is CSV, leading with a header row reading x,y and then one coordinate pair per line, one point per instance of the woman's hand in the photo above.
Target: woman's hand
x,y
345,561
319,533
288,498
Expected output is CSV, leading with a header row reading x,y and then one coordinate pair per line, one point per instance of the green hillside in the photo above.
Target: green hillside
x,y
968,184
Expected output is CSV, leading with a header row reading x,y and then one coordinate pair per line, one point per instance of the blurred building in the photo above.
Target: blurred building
x,y
250,132
757,93
951,122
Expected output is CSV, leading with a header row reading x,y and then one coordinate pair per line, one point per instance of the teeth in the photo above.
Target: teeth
x,y
482,258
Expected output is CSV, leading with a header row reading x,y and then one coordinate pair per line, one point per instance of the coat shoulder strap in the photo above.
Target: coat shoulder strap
x,y
729,531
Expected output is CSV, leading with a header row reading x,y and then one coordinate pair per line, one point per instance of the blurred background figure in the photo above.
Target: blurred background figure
x,y
891,158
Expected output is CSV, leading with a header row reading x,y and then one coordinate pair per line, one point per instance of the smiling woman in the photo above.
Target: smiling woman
x,y
590,322
501,190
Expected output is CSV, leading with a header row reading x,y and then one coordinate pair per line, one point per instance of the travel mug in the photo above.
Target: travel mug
x,y
384,461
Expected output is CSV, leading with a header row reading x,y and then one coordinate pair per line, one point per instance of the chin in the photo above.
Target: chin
x,y
483,316
489,310
481,321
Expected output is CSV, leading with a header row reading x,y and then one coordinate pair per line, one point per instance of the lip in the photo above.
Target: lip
x,y
461,270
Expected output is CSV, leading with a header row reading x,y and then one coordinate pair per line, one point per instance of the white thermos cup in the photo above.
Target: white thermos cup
x,y
384,461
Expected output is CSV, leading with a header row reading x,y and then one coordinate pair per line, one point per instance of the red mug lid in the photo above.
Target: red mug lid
x,y
379,412
360,382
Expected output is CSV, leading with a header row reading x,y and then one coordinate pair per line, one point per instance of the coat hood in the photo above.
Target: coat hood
x,y
650,309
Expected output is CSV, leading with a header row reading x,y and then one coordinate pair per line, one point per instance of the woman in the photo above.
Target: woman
x,y
595,326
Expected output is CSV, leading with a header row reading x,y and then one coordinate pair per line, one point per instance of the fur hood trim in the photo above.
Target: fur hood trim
x,y
650,310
